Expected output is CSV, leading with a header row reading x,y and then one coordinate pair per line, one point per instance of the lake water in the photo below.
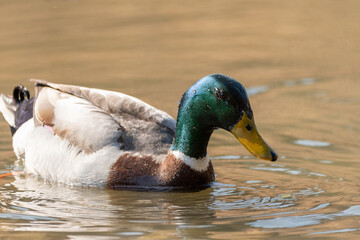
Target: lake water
x,y
300,62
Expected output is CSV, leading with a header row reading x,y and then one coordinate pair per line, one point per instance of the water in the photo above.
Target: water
x,y
299,61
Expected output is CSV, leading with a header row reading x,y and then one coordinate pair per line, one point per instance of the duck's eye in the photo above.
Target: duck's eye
x,y
220,94
248,127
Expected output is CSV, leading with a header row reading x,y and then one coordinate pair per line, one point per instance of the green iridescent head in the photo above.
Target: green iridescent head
x,y
217,101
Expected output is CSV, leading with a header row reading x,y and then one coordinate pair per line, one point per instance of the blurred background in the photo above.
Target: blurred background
x,y
171,44
298,59
156,50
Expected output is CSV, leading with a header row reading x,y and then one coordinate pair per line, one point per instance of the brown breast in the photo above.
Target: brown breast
x,y
144,170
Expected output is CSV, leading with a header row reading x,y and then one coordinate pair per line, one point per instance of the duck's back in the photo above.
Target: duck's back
x,y
93,118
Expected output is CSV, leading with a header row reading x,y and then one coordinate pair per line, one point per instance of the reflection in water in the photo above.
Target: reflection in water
x,y
54,207
305,220
45,207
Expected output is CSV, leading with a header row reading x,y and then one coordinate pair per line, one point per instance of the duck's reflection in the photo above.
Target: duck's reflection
x,y
54,207
30,204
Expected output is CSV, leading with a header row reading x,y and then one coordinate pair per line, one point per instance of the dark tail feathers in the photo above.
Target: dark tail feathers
x,y
19,93
24,111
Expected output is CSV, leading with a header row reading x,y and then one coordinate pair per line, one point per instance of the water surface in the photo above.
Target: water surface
x,y
299,61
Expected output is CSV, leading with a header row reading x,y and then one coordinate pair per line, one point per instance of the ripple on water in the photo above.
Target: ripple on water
x,y
288,171
256,90
15,216
253,181
305,220
311,143
302,81
260,89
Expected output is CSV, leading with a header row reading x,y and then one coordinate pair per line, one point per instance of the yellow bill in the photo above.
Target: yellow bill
x,y
245,131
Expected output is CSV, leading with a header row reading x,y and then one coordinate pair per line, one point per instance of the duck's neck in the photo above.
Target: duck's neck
x,y
192,135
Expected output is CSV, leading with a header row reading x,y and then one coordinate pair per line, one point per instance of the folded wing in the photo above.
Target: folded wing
x,y
94,118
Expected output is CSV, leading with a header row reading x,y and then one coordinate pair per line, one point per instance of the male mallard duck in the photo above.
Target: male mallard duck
x,y
85,136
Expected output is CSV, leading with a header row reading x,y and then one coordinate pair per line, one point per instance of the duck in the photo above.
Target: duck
x,y
85,136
